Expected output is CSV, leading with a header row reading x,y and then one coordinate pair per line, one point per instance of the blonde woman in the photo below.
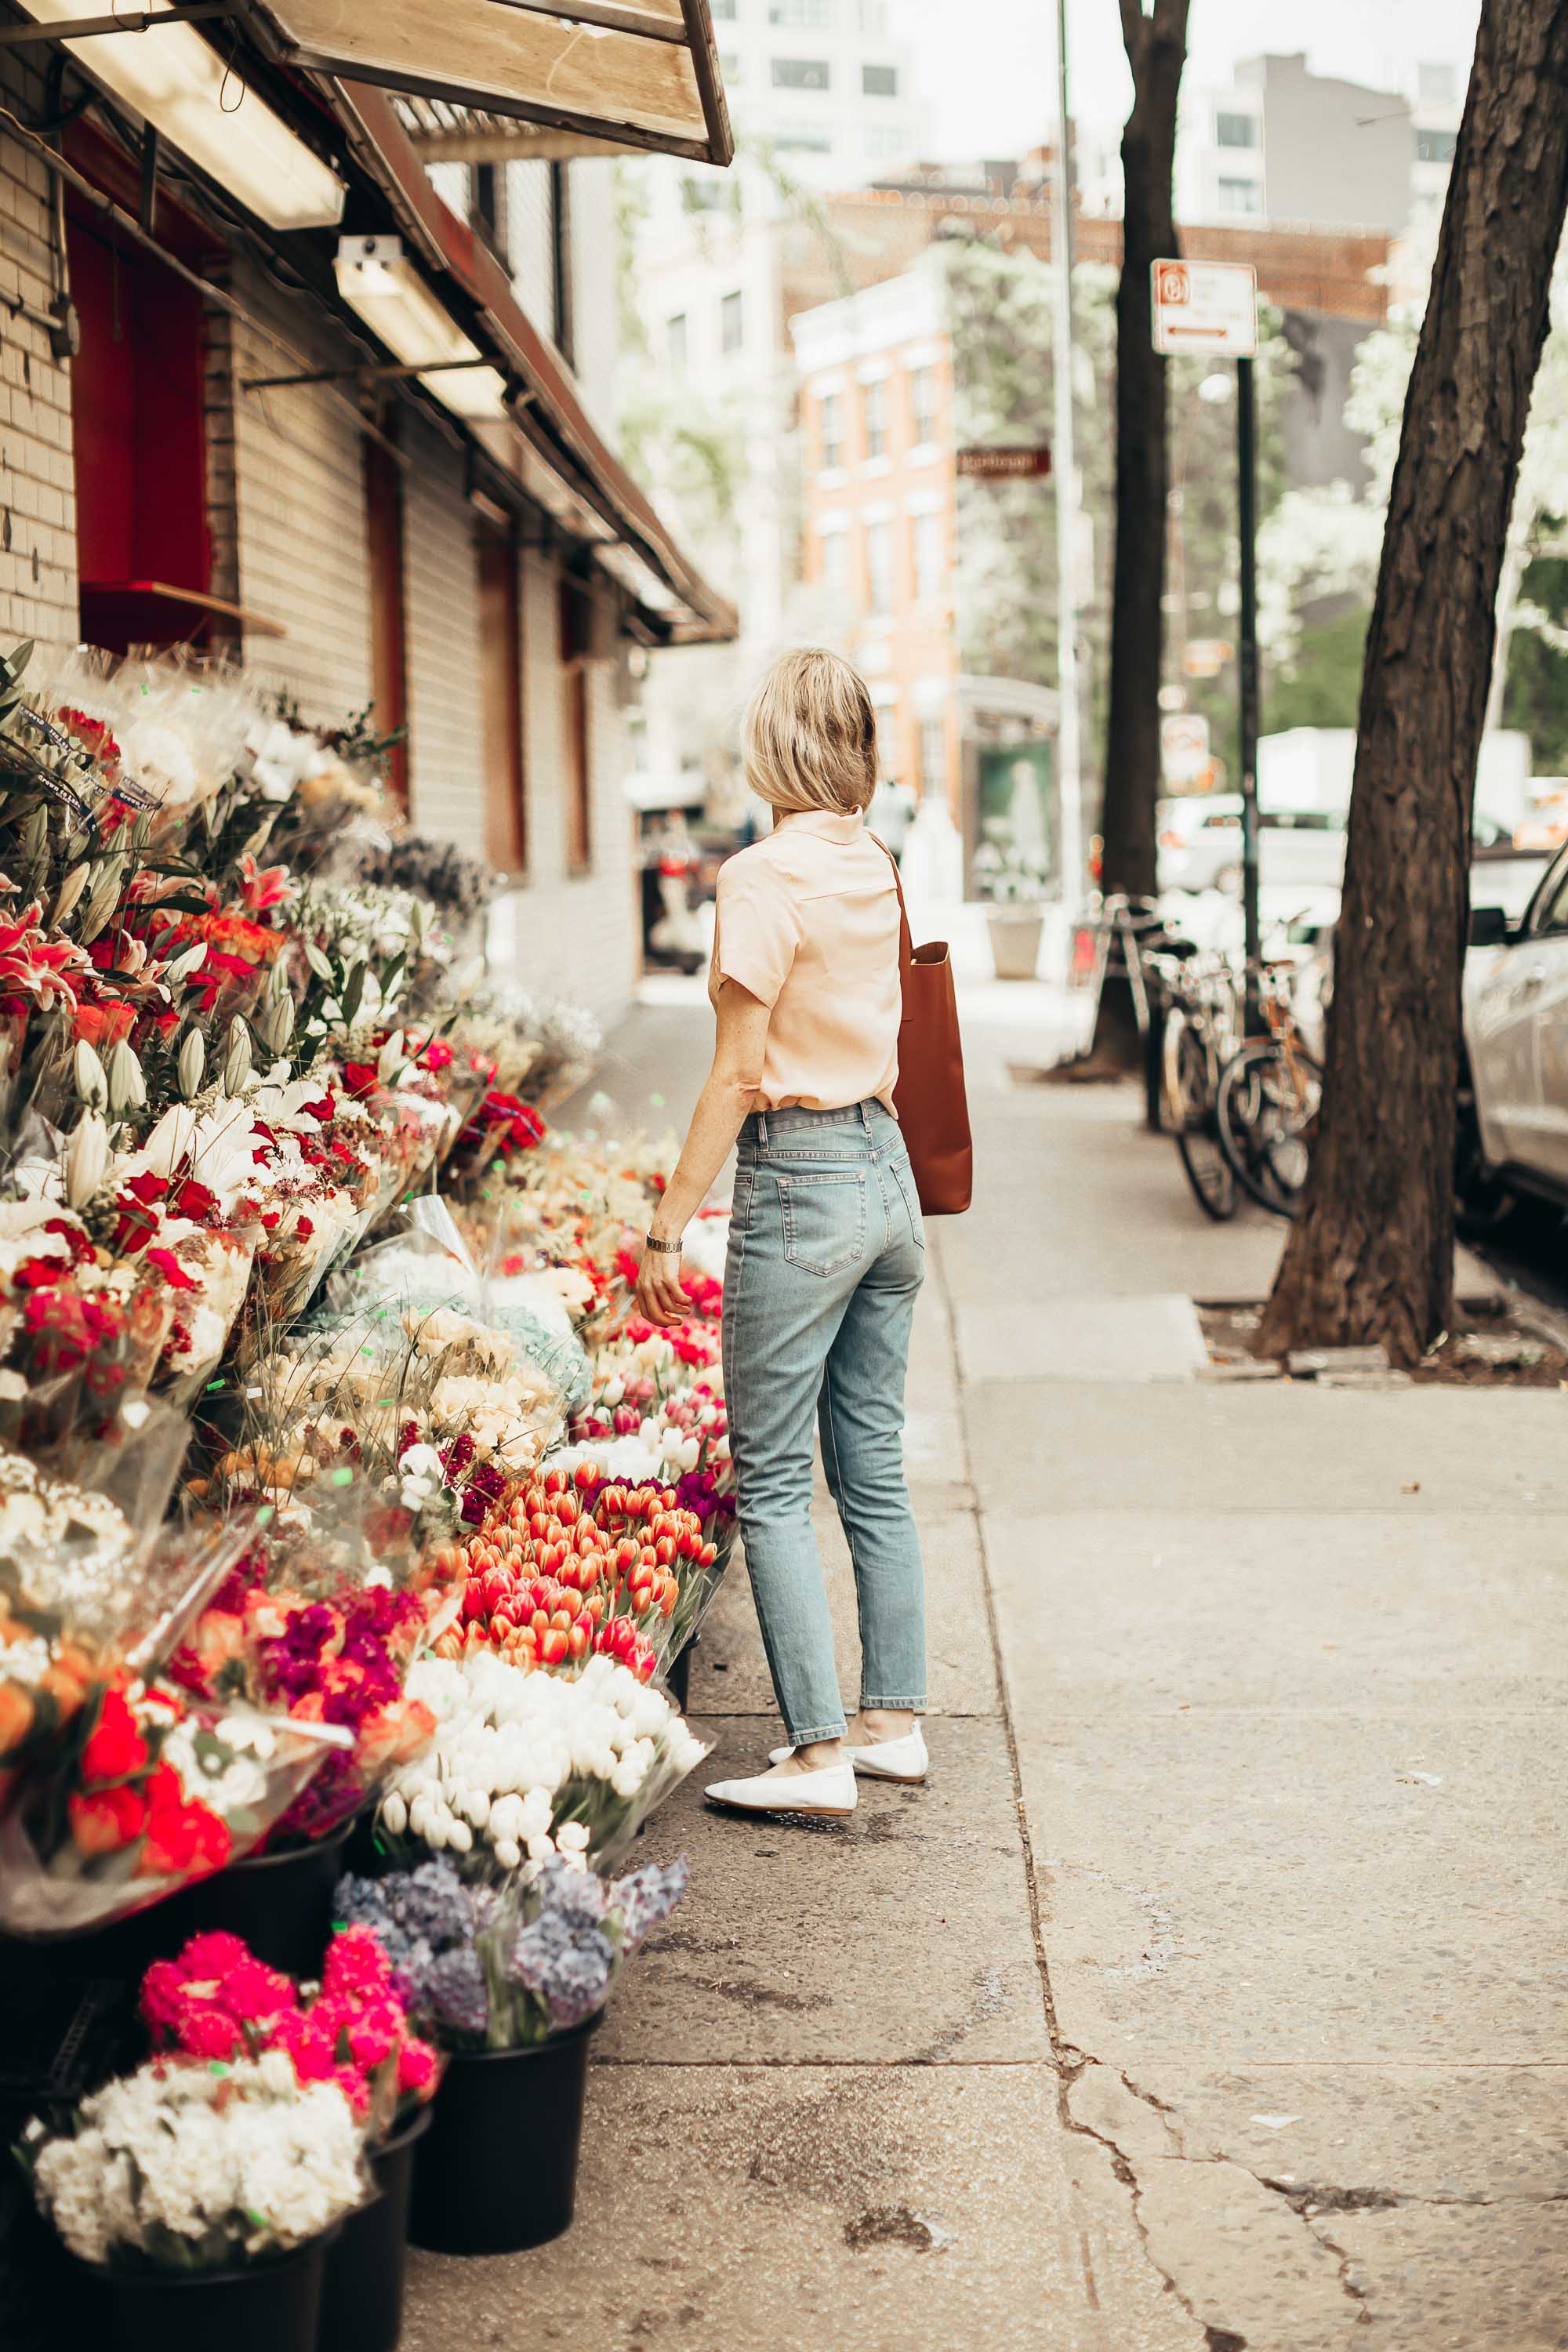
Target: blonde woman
x,y
826,1249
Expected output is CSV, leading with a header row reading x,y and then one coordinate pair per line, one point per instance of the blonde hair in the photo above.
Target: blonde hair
x,y
809,736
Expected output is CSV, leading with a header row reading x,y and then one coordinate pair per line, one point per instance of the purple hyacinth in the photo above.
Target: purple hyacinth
x,y
566,1962
645,1897
456,1992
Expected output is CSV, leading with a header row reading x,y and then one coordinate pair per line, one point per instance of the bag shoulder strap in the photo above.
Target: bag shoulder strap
x,y
905,938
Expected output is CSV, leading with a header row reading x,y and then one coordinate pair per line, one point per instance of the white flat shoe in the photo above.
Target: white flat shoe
x,y
887,1759
830,1792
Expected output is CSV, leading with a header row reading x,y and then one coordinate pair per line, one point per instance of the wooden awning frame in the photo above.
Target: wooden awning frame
x,y
692,31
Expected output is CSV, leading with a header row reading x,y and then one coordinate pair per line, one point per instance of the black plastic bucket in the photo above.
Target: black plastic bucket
x,y
281,1904
677,1674
362,2298
498,2169
270,2305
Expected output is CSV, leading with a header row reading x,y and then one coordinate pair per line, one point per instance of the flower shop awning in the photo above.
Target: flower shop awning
x,y
548,445
639,73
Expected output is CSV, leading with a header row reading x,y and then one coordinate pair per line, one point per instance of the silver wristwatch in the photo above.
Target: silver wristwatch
x,y
665,1249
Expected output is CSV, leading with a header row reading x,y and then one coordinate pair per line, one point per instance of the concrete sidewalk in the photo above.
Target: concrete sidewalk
x,y
1211,1993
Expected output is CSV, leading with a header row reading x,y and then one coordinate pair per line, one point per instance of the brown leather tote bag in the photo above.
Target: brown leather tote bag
x,y
930,1098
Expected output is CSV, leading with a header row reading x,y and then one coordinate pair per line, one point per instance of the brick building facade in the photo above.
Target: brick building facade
x,y
348,538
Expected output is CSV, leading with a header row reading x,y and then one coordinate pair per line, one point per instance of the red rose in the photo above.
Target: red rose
x,y
194,1200
106,1821
115,1748
360,1080
39,1274
173,1272
147,1188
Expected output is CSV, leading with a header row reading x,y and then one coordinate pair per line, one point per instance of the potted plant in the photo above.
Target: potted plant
x,y
201,2199
353,2028
511,1983
1012,888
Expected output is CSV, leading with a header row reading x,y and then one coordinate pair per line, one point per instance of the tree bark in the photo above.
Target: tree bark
x,y
1371,1257
1156,51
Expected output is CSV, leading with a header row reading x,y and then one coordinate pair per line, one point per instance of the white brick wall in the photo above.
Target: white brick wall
x,y
573,933
300,500
38,489
593,323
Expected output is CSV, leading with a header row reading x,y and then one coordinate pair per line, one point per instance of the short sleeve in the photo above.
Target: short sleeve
x,y
759,926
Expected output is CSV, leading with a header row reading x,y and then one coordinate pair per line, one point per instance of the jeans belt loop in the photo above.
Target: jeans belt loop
x,y
762,1130
865,1117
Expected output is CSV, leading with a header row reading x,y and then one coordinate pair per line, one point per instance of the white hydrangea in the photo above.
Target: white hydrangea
x,y
244,2151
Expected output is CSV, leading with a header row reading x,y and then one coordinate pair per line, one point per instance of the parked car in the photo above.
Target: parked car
x,y
1514,1106
1200,846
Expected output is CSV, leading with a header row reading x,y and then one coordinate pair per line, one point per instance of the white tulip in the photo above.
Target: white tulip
x,y
508,1854
395,1813
86,1159
460,1837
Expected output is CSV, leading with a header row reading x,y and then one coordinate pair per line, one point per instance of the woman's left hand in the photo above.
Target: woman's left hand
x,y
660,1298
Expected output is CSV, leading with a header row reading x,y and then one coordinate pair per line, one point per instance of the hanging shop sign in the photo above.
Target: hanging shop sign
x,y
1005,465
1207,307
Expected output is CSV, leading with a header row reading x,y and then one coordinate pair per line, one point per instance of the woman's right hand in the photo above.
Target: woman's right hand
x,y
660,1298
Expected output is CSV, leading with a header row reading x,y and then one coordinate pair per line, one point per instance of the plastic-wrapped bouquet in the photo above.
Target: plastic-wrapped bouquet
x,y
218,2003
529,1764
502,1970
188,2167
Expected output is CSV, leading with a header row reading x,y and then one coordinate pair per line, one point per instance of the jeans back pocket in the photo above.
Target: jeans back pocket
x,y
824,1220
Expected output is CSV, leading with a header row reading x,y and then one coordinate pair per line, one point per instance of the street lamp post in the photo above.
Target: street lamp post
x,y
1069,747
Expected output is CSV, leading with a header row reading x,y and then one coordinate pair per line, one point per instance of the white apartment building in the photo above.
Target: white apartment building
x,y
825,83
1283,145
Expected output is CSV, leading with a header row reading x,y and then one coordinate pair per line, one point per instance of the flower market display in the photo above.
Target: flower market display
x,y
346,1509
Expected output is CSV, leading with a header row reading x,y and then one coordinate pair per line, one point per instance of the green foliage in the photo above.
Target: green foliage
x,y
1537,693
1322,687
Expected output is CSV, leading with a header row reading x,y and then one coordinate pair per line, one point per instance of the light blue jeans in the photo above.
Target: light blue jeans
x,y
826,1253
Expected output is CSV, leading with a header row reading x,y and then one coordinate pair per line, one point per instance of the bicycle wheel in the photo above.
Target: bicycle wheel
x,y
1190,1091
1267,1112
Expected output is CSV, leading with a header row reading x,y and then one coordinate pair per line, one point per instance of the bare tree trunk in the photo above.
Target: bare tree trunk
x,y
1156,51
1371,1257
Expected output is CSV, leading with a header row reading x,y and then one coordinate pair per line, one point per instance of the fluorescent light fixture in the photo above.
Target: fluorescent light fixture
x,y
381,285
176,82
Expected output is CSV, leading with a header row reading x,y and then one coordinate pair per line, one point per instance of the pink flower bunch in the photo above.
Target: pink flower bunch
x,y
217,2000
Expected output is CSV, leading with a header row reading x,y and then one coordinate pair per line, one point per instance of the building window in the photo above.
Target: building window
x,y
801,73
561,257
804,16
576,616
802,143
729,67
723,11
874,18
833,563
1437,84
1234,129
675,341
486,205
923,404
878,568
1240,196
732,323
874,409
880,81
933,756
138,447
884,138
830,430
500,699
388,660
1435,146
931,556
887,738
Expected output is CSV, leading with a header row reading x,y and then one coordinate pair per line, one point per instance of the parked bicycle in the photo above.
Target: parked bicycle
x,y
1268,1097
1199,1028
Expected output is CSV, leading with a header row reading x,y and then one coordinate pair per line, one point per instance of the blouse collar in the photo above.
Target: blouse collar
x,y
828,825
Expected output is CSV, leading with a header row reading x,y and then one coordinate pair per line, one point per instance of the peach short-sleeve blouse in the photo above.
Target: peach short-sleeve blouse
x,y
809,922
